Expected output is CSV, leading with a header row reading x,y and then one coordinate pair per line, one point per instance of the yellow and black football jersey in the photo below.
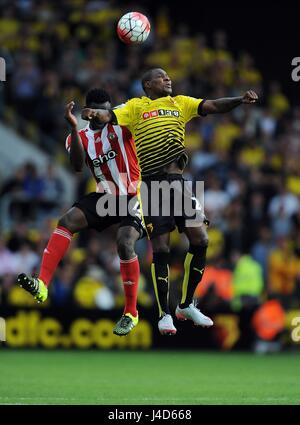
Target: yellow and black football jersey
x,y
158,128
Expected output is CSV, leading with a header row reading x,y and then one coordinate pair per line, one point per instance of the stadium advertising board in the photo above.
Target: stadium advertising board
x,y
52,328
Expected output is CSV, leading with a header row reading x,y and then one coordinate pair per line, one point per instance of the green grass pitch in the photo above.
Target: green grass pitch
x,y
177,378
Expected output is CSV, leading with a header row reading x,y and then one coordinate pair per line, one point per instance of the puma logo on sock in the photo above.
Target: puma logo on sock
x,y
198,270
165,279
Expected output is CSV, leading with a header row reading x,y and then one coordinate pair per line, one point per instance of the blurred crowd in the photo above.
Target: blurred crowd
x,y
249,159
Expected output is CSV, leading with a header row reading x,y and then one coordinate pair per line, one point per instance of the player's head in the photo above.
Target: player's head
x,y
97,99
156,83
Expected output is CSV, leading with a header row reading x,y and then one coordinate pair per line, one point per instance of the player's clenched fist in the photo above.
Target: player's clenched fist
x,y
250,97
69,116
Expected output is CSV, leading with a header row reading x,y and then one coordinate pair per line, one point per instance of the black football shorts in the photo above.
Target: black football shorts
x,y
115,211
163,210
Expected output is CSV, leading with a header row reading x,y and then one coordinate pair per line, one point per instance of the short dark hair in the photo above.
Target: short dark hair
x,y
147,76
97,96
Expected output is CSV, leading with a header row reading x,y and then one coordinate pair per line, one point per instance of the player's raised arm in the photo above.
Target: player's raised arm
x,y
76,150
226,104
104,116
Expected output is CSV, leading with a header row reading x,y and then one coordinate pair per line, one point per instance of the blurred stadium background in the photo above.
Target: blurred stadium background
x,y
249,160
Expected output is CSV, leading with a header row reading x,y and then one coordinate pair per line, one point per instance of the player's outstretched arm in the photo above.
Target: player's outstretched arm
x,y
226,104
76,149
104,116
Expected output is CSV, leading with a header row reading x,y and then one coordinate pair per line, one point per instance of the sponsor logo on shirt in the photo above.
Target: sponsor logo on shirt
x,y
160,113
102,159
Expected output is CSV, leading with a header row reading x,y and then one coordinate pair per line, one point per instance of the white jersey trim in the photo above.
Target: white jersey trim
x,y
112,165
93,155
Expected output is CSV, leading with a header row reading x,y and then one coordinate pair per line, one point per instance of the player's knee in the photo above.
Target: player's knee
x,y
204,241
200,239
164,249
74,220
66,222
161,243
161,247
125,244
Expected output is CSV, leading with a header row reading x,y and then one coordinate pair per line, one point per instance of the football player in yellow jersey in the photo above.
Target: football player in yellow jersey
x,y
157,123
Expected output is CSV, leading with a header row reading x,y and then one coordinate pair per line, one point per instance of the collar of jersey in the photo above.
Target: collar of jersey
x,y
153,100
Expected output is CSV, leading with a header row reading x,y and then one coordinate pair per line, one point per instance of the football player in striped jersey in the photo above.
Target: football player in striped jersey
x,y
109,151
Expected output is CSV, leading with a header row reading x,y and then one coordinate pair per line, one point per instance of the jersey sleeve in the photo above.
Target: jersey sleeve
x,y
189,106
125,114
68,142
126,133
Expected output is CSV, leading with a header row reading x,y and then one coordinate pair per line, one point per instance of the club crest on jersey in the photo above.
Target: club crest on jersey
x,y
160,112
112,136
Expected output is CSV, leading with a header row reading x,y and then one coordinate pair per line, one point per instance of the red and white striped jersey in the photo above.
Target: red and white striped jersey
x,y
111,156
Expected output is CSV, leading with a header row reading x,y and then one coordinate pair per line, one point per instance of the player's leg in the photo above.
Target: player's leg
x,y
158,227
160,278
194,266
130,273
71,222
83,214
194,263
160,271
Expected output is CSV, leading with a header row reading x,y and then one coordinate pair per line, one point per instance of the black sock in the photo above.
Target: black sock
x,y
160,278
194,265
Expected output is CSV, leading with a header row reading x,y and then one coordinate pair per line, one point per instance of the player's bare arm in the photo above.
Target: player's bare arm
x,y
104,116
76,150
226,104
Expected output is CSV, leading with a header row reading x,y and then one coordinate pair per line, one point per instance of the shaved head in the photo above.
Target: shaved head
x,y
147,76
156,83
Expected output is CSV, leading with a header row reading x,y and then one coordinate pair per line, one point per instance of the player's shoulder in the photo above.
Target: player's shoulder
x,y
138,100
84,130
126,134
187,101
81,131
182,98
178,97
82,134
131,102
121,105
